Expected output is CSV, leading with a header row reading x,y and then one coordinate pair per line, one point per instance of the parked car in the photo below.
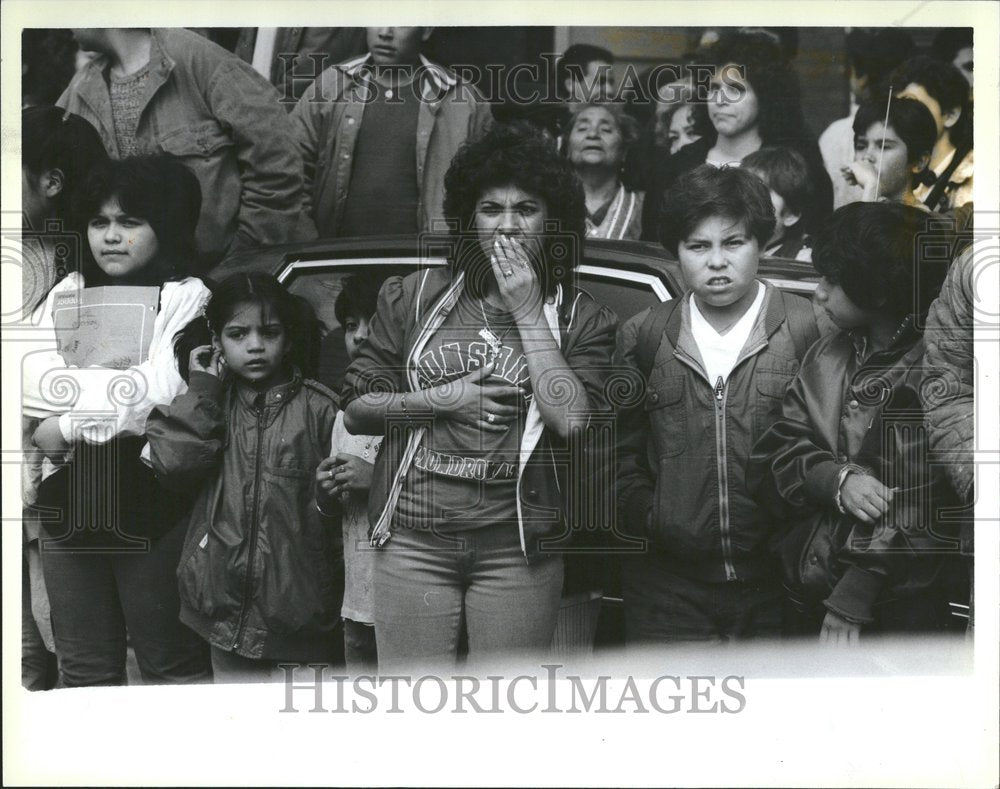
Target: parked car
x,y
627,276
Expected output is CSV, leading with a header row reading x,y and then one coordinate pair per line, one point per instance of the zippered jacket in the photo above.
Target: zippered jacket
x,y
847,408
328,118
559,483
261,570
683,447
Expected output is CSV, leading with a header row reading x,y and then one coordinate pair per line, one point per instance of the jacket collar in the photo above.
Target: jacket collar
x,y
435,80
93,87
906,336
274,398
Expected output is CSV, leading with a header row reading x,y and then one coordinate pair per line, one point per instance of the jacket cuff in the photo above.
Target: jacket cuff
x,y
205,384
854,595
820,483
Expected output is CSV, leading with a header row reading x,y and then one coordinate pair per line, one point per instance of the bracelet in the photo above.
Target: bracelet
x,y
841,478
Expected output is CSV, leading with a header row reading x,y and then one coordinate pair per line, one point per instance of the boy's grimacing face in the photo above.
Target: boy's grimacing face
x,y
719,261
355,333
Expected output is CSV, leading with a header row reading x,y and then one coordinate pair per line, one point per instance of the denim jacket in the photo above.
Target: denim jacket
x,y
224,121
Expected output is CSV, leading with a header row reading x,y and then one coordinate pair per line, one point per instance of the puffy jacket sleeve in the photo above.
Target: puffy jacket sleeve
x,y
270,168
380,363
96,404
636,471
187,436
794,466
590,348
948,378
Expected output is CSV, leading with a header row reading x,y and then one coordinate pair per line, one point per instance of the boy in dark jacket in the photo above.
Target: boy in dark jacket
x,y
715,363
846,461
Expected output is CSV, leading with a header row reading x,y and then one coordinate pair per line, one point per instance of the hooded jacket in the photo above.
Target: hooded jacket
x,y
260,573
554,497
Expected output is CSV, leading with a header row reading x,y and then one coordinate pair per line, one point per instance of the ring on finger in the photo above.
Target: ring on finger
x,y
491,418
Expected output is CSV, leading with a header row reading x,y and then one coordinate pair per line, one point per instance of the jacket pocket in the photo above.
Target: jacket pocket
x,y
210,154
771,387
667,413
194,575
199,139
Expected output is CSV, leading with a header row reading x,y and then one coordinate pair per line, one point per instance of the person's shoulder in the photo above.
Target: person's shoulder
x,y
188,288
182,44
580,307
320,391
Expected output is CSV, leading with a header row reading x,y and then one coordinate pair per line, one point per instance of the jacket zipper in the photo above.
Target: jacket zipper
x,y
248,583
720,392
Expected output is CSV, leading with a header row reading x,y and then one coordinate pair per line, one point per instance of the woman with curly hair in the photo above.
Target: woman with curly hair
x,y
596,141
483,376
753,102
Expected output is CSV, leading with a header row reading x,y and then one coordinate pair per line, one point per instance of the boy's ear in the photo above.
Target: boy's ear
x,y
53,182
951,117
921,164
789,218
216,345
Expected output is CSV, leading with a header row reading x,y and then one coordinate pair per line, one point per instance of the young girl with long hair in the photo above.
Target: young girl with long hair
x,y
260,573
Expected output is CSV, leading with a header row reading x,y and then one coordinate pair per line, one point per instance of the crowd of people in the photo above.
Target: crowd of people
x,y
197,495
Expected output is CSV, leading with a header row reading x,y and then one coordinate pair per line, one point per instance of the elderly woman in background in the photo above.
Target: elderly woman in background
x,y
596,141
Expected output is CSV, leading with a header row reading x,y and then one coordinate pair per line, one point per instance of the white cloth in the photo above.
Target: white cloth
x,y
263,51
719,352
85,397
359,556
836,145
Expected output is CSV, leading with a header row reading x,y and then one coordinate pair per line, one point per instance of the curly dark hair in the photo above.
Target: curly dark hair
x,y
514,154
780,119
707,191
873,251
158,188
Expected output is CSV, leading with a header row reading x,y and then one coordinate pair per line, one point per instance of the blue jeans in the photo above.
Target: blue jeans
x,y
425,583
97,597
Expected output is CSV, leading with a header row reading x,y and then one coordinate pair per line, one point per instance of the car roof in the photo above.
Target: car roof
x,y
637,256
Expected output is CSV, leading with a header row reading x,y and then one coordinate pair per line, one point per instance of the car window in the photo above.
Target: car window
x,y
625,292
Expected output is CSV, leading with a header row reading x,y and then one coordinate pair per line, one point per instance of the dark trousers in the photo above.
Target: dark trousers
x,y
360,647
38,666
98,597
661,606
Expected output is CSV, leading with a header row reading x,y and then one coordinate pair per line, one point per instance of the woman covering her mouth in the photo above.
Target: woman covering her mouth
x,y
476,374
